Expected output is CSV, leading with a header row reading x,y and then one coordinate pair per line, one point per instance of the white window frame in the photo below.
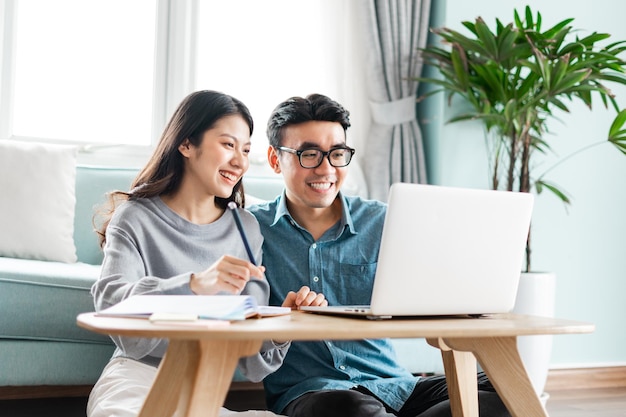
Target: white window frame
x,y
7,17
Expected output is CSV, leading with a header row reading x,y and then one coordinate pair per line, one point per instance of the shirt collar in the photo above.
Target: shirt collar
x,y
346,217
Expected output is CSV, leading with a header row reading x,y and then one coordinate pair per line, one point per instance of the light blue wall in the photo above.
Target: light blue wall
x,y
584,244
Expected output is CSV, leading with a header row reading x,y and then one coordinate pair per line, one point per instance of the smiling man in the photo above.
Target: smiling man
x,y
317,237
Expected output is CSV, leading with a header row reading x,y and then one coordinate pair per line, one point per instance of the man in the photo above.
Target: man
x,y
317,237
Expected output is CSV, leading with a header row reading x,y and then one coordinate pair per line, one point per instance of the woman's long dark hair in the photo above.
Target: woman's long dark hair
x,y
163,173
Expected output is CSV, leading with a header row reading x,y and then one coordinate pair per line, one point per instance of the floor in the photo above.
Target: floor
x,y
53,407
75,406
608,402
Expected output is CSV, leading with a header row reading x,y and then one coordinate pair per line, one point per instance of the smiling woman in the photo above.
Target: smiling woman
x,y
170,235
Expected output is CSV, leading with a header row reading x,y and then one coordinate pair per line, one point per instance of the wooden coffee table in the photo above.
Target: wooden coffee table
x,y
197,370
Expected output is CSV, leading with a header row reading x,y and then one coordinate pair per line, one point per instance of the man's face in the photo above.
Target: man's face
x,y
310,187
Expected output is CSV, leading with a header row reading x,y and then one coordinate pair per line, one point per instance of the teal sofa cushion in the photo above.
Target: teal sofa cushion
x,y
92,184
28,362
40,300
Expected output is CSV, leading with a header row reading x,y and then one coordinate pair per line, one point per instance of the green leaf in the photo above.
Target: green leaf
x,y
619,141
518,21
506,41
574,48
615,48
558,73
543,64
617,125
551,33
459,63
510,110
499,27
464,117
553,44
538,26
529,18
558,103
616,78
487,37
569,80
470,26
539,184
467,44
492,77
590,40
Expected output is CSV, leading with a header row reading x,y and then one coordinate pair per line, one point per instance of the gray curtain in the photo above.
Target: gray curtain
x,y
394,29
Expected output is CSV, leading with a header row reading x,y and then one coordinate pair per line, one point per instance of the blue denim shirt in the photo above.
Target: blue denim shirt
x,y
341,265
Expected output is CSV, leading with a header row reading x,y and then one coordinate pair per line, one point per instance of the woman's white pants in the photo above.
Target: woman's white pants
x,y
123,387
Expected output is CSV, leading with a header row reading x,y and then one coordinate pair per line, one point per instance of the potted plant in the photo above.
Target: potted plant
x,y
515,80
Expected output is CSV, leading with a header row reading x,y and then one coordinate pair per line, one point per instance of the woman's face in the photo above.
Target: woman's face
x,y
221,159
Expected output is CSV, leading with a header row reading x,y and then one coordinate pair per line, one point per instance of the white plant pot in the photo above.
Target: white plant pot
x,y
536,297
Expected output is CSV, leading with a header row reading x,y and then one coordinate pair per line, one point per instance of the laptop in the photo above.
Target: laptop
x,y
447,251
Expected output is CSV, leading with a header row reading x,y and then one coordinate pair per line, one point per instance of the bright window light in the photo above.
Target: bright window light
x,y
84,70
263,52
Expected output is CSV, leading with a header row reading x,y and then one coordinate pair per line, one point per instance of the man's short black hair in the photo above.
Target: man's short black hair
x,y
299,110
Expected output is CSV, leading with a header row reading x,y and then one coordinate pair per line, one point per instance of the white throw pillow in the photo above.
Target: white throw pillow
x,y
37,188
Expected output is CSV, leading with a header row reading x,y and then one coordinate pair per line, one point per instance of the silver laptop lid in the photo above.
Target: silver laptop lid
x,y
448,250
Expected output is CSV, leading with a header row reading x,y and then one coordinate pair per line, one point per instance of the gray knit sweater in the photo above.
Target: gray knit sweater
x,y
152,250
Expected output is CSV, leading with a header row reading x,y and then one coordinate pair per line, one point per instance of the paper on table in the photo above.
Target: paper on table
x,y
187,320
216,307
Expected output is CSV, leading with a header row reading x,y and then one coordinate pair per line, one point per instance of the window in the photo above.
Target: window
x,y
84,70
263,52
109,73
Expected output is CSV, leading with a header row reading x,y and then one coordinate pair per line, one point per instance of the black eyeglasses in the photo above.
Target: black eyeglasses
x,y
312,158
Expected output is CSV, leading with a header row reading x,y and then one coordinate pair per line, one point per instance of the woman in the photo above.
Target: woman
x,y
170,235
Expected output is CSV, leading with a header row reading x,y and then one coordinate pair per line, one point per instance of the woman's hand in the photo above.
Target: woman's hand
x,y
227,274
304,297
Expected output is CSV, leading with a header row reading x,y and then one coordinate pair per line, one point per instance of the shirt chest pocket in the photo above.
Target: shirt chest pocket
x,y
356,283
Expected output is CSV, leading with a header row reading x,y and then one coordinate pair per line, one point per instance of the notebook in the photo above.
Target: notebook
x,y
162,307
447,251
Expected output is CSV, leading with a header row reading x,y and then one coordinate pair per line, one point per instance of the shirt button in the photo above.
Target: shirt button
x,y
343,368
314,246
315,279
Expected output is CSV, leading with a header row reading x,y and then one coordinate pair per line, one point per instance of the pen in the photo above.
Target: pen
x,y
233,207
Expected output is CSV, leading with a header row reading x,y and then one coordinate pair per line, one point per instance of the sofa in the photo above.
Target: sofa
x,y
42,350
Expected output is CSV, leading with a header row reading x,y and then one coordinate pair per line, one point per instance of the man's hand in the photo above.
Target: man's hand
x,y
304,297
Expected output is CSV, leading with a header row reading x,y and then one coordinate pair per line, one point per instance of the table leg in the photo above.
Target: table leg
x,y
500,360
460,368
194,377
